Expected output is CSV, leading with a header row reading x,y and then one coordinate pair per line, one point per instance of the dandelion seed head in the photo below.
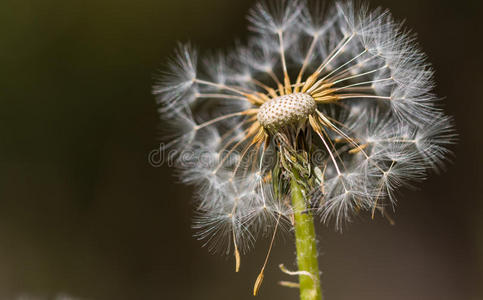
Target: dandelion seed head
x,y
285,110
341,94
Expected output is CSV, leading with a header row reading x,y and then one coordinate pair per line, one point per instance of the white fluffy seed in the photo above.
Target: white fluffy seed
x,y
285,110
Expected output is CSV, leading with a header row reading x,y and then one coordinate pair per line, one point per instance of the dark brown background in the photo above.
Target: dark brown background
x,y
82,211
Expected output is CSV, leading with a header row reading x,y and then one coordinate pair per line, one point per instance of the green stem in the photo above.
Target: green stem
x,y
306,245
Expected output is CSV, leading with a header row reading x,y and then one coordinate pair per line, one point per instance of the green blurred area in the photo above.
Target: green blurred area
x,y
82,212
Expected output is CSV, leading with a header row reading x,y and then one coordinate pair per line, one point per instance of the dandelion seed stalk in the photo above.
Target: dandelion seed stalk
x,y
267,153
306,244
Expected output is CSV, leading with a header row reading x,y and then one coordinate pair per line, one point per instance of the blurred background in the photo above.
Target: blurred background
x,y
83,213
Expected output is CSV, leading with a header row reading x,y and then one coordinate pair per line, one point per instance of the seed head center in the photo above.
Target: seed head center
x,y
286,110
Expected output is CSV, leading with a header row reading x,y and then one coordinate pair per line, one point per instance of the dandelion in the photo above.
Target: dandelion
x,y
323,113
